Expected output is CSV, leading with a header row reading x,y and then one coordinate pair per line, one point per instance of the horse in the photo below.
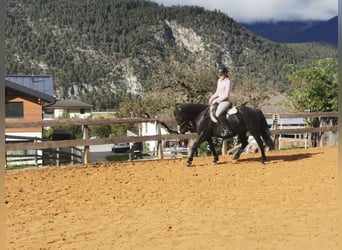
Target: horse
x,y
244,122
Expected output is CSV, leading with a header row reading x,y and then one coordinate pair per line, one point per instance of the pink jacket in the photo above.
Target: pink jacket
x,y
223,90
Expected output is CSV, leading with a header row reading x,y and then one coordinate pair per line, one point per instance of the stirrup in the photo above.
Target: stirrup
x,y
226,132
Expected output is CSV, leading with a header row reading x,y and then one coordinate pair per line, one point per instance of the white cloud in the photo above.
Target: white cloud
x,y
266,10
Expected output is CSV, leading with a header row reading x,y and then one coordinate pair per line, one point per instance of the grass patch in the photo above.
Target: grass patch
x,y
290,148
121,157
14,167
125,157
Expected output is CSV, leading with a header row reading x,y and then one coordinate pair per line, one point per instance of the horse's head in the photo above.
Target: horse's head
x,y
183,121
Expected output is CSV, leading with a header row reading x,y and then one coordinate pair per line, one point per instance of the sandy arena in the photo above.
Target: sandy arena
x,y
291,202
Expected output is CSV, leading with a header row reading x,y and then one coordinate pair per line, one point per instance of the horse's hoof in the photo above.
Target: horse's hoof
x,y
235,160
188,164
263,161
214,163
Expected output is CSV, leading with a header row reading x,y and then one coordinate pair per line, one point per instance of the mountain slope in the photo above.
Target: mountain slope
x,y
321,32
297,31
106,52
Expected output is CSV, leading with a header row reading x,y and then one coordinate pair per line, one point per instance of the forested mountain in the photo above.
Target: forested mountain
x,y
110,51
297,31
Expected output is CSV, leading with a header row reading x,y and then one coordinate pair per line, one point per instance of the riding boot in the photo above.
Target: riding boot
x,y
226,131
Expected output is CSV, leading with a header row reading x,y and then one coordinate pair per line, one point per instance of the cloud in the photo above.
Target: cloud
x,y
266,10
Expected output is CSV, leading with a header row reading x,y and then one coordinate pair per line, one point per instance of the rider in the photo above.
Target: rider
x,y
221,97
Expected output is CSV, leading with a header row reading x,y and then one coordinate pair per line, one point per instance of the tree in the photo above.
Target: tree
x,y
102,131
314,86
251,92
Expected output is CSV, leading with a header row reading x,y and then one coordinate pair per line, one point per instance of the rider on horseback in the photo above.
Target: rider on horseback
x,y
221,97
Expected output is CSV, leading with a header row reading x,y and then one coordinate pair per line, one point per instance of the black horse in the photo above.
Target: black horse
x,y
246,121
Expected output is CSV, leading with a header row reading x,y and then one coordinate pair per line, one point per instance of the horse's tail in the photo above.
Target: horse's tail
x,y
265,133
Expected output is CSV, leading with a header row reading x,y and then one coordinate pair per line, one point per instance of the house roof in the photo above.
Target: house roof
x,y
43,84
37,86
29,91
71,104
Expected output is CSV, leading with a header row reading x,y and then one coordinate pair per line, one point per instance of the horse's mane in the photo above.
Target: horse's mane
x,y
190,110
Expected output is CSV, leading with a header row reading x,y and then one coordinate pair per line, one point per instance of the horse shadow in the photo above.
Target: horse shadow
x,y
270,159
279,158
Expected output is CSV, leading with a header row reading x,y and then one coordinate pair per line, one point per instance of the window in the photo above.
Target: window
x,y
82,111
49,111
14,110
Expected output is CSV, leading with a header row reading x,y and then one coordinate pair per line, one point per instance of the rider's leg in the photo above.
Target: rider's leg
x,y
221,115
222,108
226,126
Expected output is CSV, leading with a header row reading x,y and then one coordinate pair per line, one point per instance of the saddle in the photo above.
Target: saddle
x,y
226,129
232,110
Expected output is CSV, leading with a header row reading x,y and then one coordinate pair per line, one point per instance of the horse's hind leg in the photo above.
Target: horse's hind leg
x,y
262,148
244,143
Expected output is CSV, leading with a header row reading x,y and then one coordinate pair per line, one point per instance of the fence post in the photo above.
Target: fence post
x,y
72,155
224,147
321,135
275,118
86,159
57,157
36,153
160,143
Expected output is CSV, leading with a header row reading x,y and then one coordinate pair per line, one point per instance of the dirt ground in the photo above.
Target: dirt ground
x,y
291,202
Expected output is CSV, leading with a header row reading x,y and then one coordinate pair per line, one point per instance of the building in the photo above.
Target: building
x,y
74,108
25,99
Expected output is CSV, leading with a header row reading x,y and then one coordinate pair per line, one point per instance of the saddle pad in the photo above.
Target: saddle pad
x,y
232,111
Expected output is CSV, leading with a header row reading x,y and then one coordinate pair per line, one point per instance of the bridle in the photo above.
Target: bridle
x,y
187,125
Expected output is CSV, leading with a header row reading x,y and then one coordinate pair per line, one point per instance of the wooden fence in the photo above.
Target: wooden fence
x,y
86,142
34,156
316,132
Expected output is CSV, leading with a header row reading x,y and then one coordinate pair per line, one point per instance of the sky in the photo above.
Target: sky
x,y
250,11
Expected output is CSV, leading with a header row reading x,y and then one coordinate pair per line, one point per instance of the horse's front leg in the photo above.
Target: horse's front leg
x,y
193,149
212,148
